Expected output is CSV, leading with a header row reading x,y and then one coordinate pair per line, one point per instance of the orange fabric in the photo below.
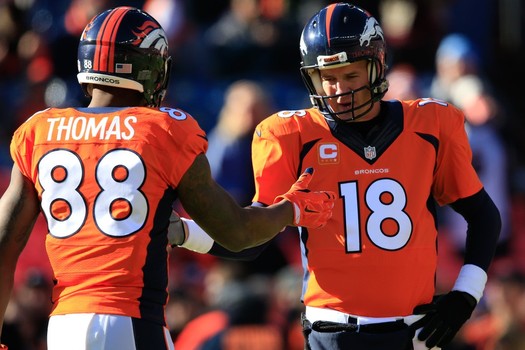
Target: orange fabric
x,y
376,256
106,182
253,337
200,329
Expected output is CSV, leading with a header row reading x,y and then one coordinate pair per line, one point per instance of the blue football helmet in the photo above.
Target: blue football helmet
x,y
127,48
338,35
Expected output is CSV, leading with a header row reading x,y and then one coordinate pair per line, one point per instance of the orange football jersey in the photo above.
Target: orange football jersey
x,y
106,178
376,256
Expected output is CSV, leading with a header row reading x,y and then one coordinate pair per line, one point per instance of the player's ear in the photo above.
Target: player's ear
x,y
89,89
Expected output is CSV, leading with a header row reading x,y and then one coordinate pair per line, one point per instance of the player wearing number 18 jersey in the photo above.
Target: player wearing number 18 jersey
x,y
381,240
105,177
373,266
369,274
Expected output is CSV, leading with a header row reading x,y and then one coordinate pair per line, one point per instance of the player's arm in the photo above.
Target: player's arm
x,y
446,315
19,208
236,228
484,226
185,233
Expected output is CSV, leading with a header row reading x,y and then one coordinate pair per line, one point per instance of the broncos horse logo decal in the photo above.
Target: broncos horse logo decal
x,y
151,35
372,30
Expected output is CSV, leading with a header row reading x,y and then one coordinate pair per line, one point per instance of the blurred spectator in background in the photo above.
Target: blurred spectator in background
x,y
252,37
412,30
460,80
187,53
229,151
403,82
499,322
246,103
247,305
489,152
237,314
27,315
455,57
246,311
212,318
287,305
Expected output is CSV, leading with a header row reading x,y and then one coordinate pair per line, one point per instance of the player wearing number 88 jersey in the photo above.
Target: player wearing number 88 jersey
x,y
103,183
106,176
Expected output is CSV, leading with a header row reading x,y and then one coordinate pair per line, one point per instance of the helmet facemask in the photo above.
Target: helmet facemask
x,y
377,89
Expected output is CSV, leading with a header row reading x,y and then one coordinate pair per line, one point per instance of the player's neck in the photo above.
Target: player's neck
x,y
111,97
372,114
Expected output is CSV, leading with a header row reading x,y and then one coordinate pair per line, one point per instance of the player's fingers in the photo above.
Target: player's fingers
x,y
429,328
327,217
309,170
325,214
446,338
436,337
328,206
304,180
330,195
324,220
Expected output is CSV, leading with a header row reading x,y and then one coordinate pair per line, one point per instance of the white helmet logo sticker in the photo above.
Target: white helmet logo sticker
x,y
372,30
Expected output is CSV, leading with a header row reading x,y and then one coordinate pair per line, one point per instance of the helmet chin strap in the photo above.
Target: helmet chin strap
x,y
377,90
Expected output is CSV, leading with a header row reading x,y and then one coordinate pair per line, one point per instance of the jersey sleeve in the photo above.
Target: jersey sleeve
x,y
455,176
22,144
275,147
187,140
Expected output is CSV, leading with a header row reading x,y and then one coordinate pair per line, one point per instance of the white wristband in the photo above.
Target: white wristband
x,y
197,239
471,279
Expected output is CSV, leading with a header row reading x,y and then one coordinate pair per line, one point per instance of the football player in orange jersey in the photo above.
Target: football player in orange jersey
x,y
369,274
106,176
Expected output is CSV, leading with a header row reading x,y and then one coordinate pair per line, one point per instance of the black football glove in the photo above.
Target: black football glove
x,y
444,317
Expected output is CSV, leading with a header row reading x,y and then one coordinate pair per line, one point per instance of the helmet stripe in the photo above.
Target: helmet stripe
x,y
105,53
329,11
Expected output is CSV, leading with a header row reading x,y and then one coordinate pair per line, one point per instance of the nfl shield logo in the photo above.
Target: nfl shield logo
x,y
370,152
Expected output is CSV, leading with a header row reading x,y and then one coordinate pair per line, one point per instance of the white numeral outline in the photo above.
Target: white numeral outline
x,y
289,114
379,211
112,189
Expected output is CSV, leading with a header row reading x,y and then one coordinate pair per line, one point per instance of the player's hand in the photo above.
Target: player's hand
x,y
444,317
3,347
176,231
311,209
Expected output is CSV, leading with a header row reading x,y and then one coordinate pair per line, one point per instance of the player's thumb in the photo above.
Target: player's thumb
x,y
304,180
